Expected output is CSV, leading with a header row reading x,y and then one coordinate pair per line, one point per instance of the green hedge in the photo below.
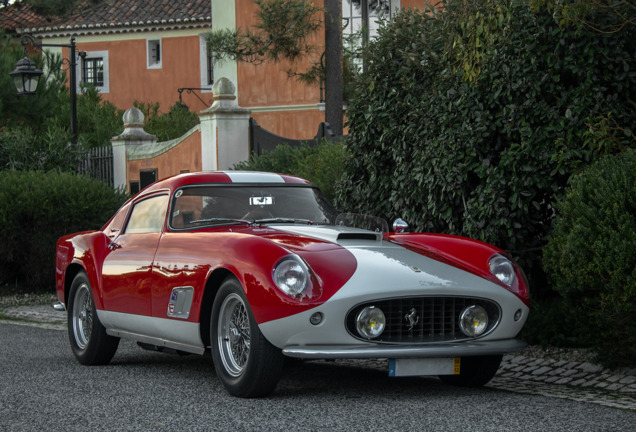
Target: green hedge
x,y
591,256
36,208
471,119
322,164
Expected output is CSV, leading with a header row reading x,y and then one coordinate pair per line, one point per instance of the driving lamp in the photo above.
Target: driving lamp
x,y
370,322
473,321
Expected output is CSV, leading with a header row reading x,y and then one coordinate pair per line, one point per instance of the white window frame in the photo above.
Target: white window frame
x,y
80,72
151,60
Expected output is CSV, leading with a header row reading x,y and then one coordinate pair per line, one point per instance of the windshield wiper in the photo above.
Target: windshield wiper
x,y
284,220
221,221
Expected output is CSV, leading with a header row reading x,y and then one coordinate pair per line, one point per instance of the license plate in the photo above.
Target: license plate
x,y
425,366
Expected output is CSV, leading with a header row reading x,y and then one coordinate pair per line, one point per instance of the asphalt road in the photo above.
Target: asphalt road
x,y
43,388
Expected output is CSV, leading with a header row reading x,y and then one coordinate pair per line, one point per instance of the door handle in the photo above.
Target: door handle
x,y
113,245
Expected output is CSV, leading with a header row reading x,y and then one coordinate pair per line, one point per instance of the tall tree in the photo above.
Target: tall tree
x,y
333,65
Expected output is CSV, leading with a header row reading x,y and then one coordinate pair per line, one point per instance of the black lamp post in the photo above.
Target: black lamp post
x,y
26,75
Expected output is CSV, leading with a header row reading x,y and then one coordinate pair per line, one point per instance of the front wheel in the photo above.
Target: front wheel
x,y
474,371
245,362
89,341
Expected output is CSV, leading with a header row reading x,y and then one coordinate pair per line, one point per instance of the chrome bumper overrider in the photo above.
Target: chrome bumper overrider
x,y
59,306
464,349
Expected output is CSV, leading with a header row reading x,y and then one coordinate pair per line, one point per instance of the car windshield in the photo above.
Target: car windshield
x,y
211,205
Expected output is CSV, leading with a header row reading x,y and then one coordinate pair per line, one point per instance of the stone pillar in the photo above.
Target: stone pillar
x,y
133,135
224,129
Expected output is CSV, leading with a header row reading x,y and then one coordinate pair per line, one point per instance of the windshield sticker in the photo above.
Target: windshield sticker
x,y
179,193
261,200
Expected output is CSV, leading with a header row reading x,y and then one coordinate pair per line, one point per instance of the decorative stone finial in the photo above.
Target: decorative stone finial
x,y
224,89
133,117
134,133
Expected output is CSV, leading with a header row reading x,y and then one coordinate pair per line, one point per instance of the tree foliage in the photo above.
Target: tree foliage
x,y
602,16
478,138
282,32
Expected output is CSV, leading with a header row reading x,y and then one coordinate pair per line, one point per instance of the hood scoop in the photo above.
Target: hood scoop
x,y
334,234
360,236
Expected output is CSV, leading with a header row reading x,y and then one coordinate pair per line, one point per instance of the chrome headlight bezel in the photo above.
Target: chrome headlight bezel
x,y
503,269
291,276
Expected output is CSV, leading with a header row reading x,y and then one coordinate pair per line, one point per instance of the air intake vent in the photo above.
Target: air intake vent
x,y
360,236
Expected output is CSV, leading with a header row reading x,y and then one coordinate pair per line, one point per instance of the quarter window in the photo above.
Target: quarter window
x,y
148,215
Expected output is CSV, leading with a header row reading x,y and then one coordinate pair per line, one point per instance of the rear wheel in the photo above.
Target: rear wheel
x,y
474,371
245,362
89,341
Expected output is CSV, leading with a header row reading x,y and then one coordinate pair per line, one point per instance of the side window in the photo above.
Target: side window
x,y
148,215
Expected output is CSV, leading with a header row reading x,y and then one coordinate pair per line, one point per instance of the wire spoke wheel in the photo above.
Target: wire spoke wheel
x,y
90,343
245,362
82,316
234,334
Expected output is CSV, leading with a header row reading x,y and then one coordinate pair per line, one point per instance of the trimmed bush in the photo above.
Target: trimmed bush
x,y
36,208
591,256
322,164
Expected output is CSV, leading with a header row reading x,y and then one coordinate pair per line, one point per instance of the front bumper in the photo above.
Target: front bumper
x,y
460,349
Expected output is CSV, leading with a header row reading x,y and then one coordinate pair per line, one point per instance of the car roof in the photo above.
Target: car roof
x,y
237,177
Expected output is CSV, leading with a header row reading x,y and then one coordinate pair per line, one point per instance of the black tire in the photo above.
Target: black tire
x,y
89,341
245,362
474,371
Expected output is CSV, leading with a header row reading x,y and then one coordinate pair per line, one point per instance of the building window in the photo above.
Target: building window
x,y
352,22
153,51
207,64
93,70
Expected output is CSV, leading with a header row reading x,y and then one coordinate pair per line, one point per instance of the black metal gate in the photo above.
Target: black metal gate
x,y
262,140
97,163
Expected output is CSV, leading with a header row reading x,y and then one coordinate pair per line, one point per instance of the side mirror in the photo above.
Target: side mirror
x,y
399,226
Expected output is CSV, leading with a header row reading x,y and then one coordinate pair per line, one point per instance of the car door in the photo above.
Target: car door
x,y
127,270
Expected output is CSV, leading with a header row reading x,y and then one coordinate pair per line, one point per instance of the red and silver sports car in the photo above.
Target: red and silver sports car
x,y
257,267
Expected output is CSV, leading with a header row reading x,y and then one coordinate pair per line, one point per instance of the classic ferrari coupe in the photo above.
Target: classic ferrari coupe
x,y
258,267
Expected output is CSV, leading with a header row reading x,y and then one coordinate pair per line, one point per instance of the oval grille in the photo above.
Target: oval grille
x,y
416,320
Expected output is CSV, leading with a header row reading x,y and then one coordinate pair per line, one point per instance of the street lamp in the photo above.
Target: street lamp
x,y
26,75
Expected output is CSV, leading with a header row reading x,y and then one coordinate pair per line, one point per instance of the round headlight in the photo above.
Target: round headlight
x,y
291,275
473,321
370,322
502,268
